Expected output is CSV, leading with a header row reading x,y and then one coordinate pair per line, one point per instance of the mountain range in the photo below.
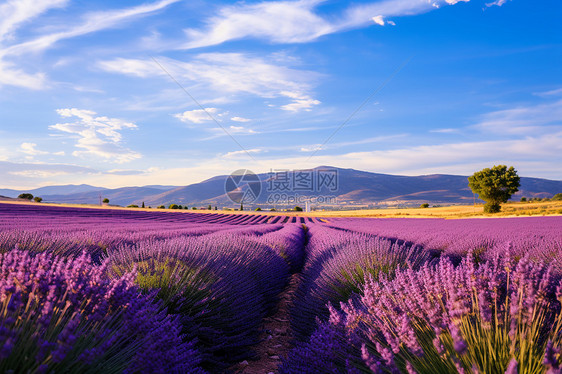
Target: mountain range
x,y
351,187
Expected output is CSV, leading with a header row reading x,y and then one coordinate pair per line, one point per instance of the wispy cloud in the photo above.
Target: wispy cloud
x,y
240,119
15,13
196,115
555,92
497,3
29,149
96,136
230,73
297,21
525,119
444,131
242,153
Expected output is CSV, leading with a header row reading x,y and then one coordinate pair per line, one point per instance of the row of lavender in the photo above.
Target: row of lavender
x,y
126,293
430,296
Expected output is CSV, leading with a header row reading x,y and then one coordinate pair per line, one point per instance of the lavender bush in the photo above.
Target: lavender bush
x,y
221,285
60,315
335,270
496,317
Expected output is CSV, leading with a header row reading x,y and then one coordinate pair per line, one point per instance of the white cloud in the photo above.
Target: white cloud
x,y
555,92
300,102
277,21
97,136
241,130
297,21
523,120
29,149
392,23
496,3
14,13
241,153
313,148
240,119
229,73
444,131
378,20
196,115
38,173
12,76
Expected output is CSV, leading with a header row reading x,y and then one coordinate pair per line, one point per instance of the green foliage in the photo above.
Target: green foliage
x,y
492,207
258,209
180,206
37,199
216,208
495,186
424,205
210,207
557,197
241,206
298,209
272,210
132,206
143,204
26,196
173,206
194,208
106,201
523,199
161,207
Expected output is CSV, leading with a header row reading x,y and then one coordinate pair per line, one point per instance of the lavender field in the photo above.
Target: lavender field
x,y
131,291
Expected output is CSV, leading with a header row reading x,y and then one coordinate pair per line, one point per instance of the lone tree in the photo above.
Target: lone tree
x,y
37,199
27,196
494,186
106,201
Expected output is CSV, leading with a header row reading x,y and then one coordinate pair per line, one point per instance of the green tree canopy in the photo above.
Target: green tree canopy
x,y
27,196
494,186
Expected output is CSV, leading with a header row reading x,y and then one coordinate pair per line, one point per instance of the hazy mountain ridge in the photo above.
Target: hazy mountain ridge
x,y
354,187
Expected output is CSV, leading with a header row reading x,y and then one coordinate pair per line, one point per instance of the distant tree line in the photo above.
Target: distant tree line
x,y
28,196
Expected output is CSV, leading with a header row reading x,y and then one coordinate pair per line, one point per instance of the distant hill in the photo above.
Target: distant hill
x,y
53,190
354,187
359,187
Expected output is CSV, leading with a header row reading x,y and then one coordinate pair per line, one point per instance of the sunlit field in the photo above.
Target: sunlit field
x,y
129,290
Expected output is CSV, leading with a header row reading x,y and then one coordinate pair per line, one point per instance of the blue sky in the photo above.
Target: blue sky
x,y
90,90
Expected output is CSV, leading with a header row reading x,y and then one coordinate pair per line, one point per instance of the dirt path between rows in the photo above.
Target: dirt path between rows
x,y
275,338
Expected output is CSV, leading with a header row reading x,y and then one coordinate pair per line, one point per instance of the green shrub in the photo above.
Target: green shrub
x,y
37,199
424,205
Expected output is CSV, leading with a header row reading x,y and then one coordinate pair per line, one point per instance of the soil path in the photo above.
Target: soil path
x,y
275,338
